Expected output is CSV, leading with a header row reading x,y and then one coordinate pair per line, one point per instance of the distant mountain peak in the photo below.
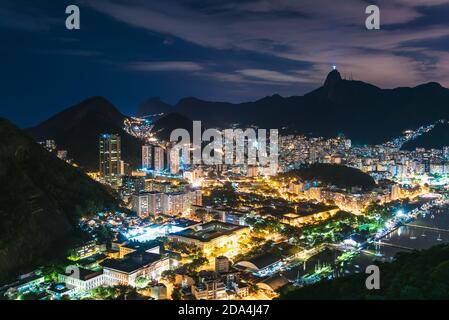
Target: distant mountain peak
x,y
97,99
187,100
151,106
77,129
89,106
433,85
332,81
96,102
165,125
332,78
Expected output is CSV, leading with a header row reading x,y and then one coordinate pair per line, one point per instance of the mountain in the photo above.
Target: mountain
x,y
361,111
153,106
165,125
77,130
437,138
42,199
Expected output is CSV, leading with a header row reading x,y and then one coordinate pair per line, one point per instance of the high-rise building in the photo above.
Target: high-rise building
x,y
173,160
147,157
155,203
169,203
446,153
140,205
159,158
395,192
148,203
176,202
193,176
196,197
252,171
110,159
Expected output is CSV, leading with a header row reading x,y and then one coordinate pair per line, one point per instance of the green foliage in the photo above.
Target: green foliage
x,y
142,282
51,272
416,275
112,293
338,175
169,275
225,195
196,264
176,294
189,250
42,199
334,229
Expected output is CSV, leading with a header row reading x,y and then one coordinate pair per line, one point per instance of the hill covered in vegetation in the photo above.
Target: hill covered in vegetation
x,y
338,175
42,198
437,138
78,128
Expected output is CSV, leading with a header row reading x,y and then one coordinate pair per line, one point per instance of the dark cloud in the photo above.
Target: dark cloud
x,y
320,33
230,50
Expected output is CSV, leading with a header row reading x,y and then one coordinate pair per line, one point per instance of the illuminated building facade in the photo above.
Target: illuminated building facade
x,y
159,163
169,203
84,281
135,265
174,160
110,159
212,235
210,290
147,157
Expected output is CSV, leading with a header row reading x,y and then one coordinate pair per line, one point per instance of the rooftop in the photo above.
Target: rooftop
x,y
210,230
133,262
86,274
275,282
261,261
142,246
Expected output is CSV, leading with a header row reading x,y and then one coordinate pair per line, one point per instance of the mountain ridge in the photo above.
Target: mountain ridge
x,y
362,111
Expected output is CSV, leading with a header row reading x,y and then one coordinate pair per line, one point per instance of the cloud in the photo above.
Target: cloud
x,y
164,66
318,33
273,76
423,3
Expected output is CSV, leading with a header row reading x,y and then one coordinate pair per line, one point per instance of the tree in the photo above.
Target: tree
x,y
169,275
176,294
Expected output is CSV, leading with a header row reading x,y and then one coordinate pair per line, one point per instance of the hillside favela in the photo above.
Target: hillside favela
x,y
336,187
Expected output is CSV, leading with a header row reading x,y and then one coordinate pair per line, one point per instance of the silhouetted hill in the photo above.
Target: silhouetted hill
x,y
165,125
77,129
41,200
437,138
153,106
338,175
363,112
416,275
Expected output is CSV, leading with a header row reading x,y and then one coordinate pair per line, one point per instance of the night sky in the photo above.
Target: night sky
x,y
218,50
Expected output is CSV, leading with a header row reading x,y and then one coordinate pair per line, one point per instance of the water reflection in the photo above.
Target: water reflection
x,y
426,231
